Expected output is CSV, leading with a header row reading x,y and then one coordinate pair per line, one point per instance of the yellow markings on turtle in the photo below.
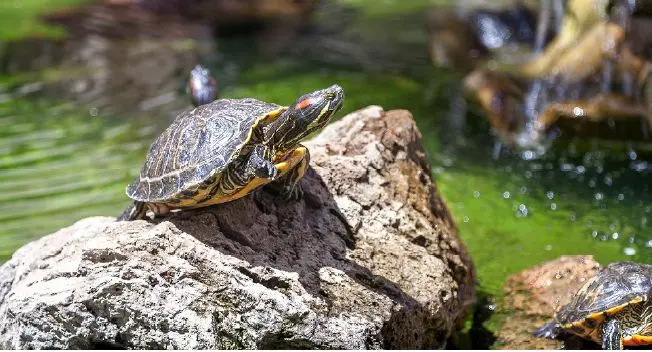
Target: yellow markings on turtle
x,y
616,309
159,158
283,168
253,184
291,160
568,326
596,316
303,166
194,198
267,118
201,125
273,115
175,158
287,163
576,327
201,193
637,340
587,327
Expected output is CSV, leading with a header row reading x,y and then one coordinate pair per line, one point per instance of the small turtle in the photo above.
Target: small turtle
x,y
221,151
613,308
201,87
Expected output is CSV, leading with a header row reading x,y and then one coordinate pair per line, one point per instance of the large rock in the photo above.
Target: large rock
x,y
369,258
533,295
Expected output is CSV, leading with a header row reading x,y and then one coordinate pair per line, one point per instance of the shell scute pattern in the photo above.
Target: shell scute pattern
x,y
199,144
615,286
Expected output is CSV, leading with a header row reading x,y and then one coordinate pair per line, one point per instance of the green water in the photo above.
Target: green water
x,y
63,159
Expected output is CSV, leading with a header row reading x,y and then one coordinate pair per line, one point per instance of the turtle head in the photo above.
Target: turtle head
x,y
311,112
201,86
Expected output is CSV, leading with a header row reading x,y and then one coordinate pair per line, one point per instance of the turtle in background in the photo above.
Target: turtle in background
x,y
614,308
201,86
221,151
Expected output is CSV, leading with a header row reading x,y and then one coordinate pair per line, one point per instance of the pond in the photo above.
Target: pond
x,y
77,117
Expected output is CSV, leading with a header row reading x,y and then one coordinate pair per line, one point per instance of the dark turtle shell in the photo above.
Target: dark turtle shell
x,y
198,145
615,286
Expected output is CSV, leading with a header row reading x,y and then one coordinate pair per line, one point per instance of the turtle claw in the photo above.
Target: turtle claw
x,y
260,165
271,171
550,330
293,193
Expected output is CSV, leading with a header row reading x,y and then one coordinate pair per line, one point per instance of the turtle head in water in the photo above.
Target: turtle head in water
x,y
201,86
311,112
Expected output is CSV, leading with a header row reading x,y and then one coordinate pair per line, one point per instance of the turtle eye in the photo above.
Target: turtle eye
x,y
330,96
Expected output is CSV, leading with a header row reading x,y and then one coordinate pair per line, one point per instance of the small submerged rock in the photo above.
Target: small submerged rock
x,y
533,295
370,258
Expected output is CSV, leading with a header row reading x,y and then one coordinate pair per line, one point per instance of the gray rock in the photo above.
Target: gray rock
x,y
369,258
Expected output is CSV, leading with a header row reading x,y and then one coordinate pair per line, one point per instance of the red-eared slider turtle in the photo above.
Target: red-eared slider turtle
x,y
201,87
221,151
613,308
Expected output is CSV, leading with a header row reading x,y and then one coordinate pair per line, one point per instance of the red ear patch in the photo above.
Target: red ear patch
x,y
305,103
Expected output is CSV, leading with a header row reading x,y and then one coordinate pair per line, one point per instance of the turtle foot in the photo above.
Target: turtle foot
x,y
549,331
293,193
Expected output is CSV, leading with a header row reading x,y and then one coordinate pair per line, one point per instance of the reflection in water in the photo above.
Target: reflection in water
x,y
112,75
78,117
57,165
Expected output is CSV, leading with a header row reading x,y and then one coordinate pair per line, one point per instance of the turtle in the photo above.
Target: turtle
x,y
201,86
614,308
221,151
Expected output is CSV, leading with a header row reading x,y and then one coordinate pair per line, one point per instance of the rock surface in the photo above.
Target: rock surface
x,y
534,295
369,258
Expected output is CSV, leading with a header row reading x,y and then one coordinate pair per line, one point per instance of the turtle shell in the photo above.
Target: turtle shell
x,y
616,286
199,144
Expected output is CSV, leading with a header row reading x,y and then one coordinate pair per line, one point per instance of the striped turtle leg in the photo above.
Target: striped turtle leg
x,y
611,335
134,211
260,163
550,330
243,176
289,183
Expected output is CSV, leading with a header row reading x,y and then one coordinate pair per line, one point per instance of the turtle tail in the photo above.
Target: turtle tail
x,y
135,211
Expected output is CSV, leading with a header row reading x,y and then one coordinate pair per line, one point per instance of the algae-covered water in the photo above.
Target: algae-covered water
x,y
77,117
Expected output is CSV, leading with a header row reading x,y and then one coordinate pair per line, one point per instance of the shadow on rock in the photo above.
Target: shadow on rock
x,y
296,236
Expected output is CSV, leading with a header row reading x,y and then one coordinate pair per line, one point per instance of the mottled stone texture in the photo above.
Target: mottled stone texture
x,y
533,295
369,258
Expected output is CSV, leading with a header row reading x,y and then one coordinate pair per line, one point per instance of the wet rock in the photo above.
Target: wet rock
x,y
369,258
533,295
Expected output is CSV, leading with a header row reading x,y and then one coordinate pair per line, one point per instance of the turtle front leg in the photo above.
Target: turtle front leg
x,y
260,164
294,168
612,338
550,330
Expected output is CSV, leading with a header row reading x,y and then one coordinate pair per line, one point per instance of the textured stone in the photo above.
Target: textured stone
x,y
369,258
534,295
